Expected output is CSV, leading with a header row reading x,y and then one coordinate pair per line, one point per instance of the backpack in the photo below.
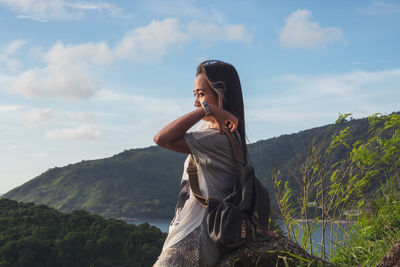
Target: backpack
x,y
235,219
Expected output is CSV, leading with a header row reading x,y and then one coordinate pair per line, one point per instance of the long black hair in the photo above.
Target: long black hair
x,y
224,80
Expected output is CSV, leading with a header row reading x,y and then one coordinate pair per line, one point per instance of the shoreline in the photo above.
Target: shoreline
x,y
143,219
327,221
169,220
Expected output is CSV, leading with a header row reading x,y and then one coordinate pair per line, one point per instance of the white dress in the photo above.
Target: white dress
x,y
187,240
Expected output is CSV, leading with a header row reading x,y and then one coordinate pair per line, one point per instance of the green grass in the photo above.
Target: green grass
x,y
374,233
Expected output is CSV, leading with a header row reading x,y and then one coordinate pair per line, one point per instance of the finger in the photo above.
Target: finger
x,y
234,127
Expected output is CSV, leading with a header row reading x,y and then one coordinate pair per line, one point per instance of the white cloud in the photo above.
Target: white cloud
x,y
83,116
8,108
71,82
44,10
39,10
111,96
152,41
14,46
79,133
300,32
144,43
38,116
184,9
66,75
68,71
152,106
354,84
217,33
380,8
10,50
93,6
304,101
61,55
361,93
38,154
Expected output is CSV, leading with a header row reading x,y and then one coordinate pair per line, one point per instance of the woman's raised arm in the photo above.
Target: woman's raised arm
x,y
171,136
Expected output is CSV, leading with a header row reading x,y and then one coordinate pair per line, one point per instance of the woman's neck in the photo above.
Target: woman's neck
x,y
214,125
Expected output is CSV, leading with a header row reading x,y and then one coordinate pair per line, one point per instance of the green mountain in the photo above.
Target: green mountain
x,y
136,183
144,183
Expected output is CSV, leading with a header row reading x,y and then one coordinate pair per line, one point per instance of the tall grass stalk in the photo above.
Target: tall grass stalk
x,y
338,188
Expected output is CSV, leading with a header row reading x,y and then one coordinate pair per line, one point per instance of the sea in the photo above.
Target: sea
x,y
162,224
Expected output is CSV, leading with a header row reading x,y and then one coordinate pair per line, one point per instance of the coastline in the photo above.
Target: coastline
x,y
327,221
162,220
162,224
142,219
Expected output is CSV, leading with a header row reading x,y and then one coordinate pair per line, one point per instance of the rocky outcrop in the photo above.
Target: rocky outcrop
x,y
392,259
270,251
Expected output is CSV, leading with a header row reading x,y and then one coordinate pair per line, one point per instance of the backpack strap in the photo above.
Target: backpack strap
x,y
237,150
194,182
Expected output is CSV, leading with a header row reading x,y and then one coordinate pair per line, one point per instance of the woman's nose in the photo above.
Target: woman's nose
x,y
197,103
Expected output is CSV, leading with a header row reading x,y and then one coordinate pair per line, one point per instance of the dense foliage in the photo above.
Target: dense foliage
x,y
40,236
142,183
378,226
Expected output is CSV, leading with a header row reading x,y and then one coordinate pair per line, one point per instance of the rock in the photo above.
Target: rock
x,y
270,251
392,259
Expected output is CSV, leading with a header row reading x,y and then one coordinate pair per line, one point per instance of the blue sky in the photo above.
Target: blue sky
x,y
82,80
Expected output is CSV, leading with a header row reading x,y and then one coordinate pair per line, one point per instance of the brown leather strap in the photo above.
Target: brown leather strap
x,y
194,182
191,169
236,148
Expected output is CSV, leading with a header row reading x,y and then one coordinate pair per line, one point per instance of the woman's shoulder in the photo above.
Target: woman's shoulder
x,y
211,139
210,133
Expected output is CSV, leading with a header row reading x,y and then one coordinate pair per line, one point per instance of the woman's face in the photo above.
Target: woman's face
x,y
204,93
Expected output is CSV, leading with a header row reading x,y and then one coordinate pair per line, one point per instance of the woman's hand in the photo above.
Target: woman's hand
x,y
224,118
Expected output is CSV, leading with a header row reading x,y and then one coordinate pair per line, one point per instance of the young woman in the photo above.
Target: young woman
x,y
219,104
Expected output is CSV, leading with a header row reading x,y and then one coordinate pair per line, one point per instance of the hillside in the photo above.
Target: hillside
x,y
144,182
287,153
134,183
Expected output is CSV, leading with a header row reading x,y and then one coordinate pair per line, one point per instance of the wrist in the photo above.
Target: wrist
x,y
207,109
